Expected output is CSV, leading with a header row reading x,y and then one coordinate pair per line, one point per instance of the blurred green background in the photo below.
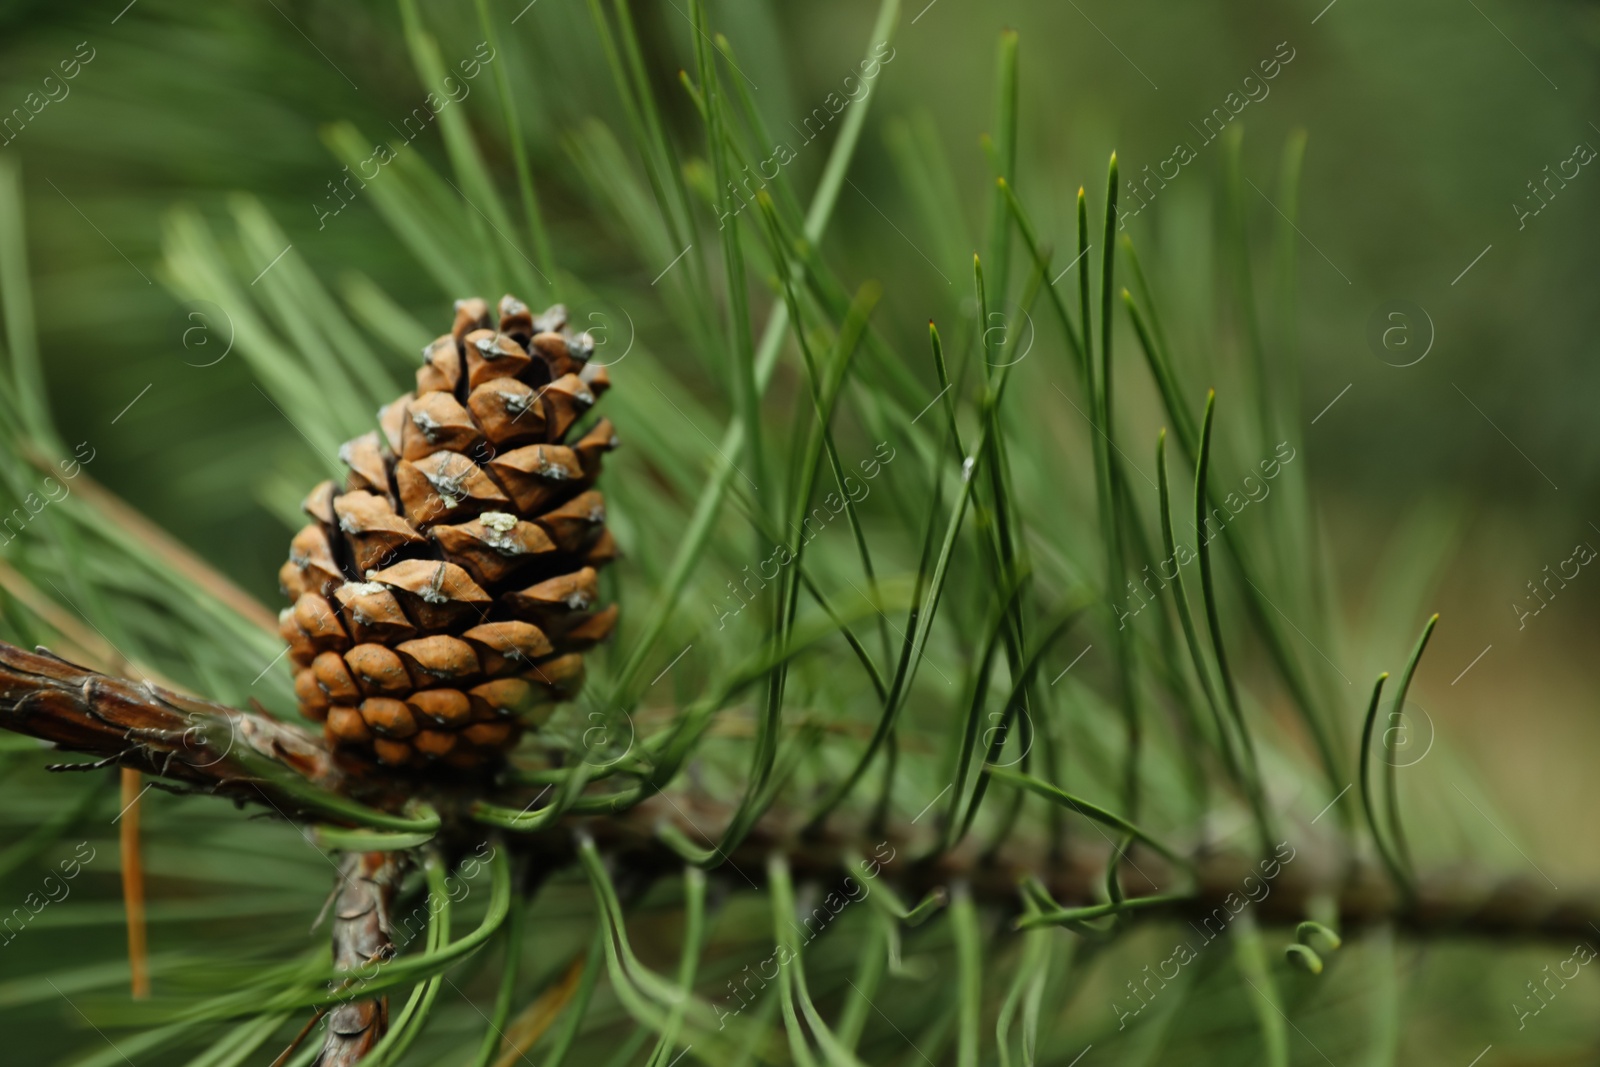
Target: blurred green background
x,y
1425,123
1426,120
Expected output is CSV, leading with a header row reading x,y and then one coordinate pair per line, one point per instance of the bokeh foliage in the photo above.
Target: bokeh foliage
x,y
193,149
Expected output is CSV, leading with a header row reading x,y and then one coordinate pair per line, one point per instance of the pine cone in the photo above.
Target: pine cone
x,y
444,598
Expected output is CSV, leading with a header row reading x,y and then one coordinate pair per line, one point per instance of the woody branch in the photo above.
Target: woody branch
x,y
218,749
190,742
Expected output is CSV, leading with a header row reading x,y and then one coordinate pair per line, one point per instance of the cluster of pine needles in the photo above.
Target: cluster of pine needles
x,y
895,604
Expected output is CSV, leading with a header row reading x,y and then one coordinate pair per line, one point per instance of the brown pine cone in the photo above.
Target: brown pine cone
x,y
443,599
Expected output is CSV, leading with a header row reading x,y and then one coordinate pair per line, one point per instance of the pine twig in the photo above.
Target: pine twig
x,y
251,758
1460,902
361,935
191,742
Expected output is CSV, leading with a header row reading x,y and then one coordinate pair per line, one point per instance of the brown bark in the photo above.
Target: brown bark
x,y
183,740
361,936
198,744
1464,902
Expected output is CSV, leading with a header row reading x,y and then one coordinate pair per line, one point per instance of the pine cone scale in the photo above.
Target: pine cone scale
x,y
443,598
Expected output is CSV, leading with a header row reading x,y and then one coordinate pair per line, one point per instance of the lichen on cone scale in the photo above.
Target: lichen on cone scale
x,y
443,599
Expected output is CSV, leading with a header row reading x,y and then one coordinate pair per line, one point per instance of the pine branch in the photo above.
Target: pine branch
x,y
186,741
362,936
1460,902
251,758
